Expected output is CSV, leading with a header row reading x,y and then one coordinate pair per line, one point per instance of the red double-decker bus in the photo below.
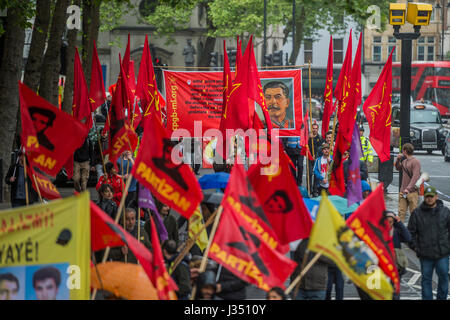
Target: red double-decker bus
x,y
430,81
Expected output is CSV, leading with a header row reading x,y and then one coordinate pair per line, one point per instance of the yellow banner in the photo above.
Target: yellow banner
x,y
334,239
45,251
195,225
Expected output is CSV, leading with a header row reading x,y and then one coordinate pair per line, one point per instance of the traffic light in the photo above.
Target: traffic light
x,y
232,57
214,60
268,60
277,58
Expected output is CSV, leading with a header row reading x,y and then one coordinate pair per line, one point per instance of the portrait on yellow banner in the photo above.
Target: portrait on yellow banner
x,y
45,251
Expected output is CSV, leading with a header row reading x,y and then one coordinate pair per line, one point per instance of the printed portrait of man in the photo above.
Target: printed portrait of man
x,y
278,103
42,120
9,286
279,202
46,283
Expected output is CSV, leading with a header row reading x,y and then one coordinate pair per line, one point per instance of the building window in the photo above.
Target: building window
x,y
430,53
376,54
392,40
421,40
338,50
394,54
421,53
430,39
308,50
377,39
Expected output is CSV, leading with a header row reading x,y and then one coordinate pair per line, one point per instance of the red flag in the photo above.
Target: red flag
x,y
371,226
348,106
46,188
172,183
241,195
238,62
281,200
128,67
97,95
165,286
337,178
304,136
146,88
255,88
81,108
342,85
105,232
238,247
328,107
377,109
121,135
236,113
44,132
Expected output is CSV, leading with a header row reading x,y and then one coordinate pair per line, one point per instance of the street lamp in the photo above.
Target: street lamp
x,y
418,14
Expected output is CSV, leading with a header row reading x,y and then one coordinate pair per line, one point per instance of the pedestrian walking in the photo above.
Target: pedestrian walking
x,y
429,226
409,166
82,164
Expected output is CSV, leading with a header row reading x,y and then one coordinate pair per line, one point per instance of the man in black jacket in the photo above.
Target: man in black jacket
x,y
429,226
16,178
82,165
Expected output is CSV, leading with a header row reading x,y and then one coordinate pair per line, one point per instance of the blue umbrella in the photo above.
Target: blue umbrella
x,y
340,204
218,180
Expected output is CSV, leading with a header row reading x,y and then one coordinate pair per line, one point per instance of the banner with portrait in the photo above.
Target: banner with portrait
x,y
45,251
197,96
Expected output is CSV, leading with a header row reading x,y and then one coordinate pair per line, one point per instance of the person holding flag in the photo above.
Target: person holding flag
x,y
321,166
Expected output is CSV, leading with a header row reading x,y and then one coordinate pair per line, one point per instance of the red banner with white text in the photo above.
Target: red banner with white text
x,y
198,96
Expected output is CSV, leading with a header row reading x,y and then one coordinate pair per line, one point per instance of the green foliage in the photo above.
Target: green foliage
x,y
112,13
26,8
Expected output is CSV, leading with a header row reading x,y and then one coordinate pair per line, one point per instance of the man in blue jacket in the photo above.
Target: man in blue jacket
x,y
321,167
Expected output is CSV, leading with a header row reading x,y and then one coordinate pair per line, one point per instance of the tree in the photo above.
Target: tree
x,y
10,73
228,18
48,85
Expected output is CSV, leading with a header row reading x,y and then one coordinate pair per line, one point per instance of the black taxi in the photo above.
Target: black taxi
x,y
426,127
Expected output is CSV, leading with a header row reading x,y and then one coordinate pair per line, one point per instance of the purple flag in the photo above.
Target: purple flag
x,y
145,200
354,191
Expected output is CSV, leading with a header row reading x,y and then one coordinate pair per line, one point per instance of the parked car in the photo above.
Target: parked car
x,y
426,127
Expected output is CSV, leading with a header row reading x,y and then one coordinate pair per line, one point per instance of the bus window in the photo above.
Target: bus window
x,y
443,96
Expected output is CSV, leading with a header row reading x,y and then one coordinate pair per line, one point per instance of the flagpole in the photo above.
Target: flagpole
x,y
304,271
310,111
205,254
191,241
25,178
307,168
38,190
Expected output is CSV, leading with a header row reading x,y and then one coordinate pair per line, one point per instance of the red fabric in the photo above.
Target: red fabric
x,y
236,114
281,200
165,286
238,63
342,84
97,95
105,232
46,140
81,108
46,188
241,249
146,88
241,194
349,105
377,109
371,226
328,107
121,135
128,67
304,135
69,168
172,183
337,178
255,88
116,183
